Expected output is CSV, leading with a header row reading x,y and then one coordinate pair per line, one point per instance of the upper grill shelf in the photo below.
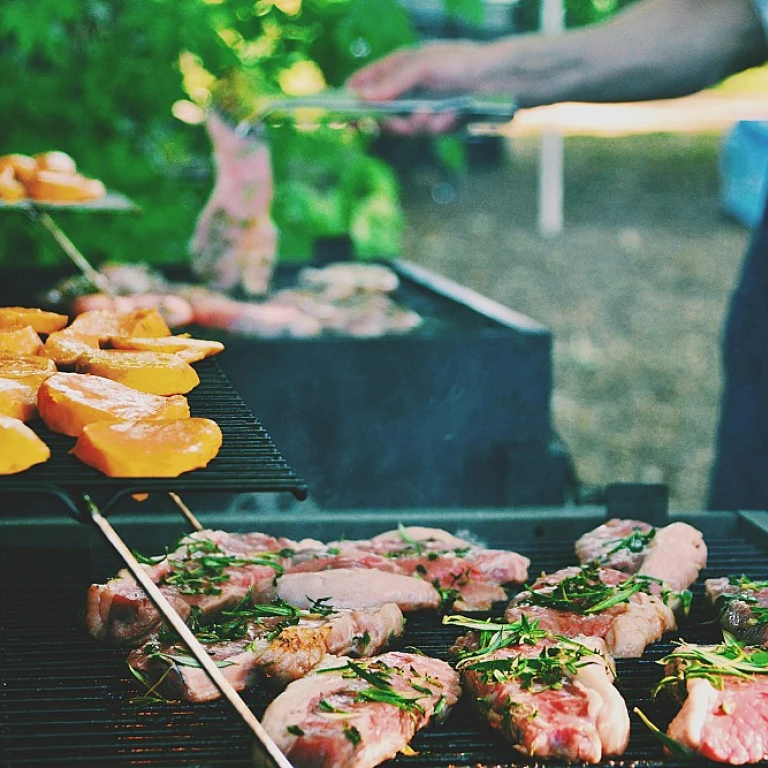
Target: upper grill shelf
x,y
247,462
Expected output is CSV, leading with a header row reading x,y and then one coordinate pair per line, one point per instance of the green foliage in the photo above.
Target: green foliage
x,y
98,79
577,12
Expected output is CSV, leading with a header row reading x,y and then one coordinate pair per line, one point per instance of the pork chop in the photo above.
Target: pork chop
x,y
276,642
551,697
356,715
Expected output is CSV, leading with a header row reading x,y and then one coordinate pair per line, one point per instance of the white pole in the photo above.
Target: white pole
x,y
551,22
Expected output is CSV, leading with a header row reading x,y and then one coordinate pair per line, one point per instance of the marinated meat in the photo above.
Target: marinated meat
x,y
627,612
357,588
675,553
158,448
724,716
209,571
551,697
742,604
348,714
467,576
275,641
69,401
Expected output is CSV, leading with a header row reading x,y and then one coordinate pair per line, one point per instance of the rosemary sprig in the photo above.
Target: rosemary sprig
x,y
637,541
728,659
493,636
203,568
549,670
677,749
586,593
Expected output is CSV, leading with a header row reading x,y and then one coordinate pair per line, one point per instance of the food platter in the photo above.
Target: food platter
x,y
112,202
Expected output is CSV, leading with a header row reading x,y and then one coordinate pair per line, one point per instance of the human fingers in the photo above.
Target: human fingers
x,y
421,123
390,77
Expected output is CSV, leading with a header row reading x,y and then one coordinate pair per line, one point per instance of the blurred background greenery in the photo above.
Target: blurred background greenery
x,y
121,84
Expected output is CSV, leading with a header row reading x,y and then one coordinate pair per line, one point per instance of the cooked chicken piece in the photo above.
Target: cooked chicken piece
x,y
156,373
357,715
274,641
69,401
188,349
17,400
64,347
40,320
20,447
357,588
20,341
344,279
158,448
174,310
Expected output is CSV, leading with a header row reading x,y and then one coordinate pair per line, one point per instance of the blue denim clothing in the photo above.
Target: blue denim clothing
x,y
739,477
740,473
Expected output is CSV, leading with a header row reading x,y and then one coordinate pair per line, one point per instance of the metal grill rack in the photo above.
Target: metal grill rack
x,y
247,462
66,700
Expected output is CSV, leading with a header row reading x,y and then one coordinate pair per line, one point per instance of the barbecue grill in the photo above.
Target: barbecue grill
x,y
65,699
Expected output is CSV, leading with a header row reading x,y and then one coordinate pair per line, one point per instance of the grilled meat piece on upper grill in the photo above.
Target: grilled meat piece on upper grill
x,y
209,571
743,607
552,698
675,553
348,714
569,602
357,588
275,641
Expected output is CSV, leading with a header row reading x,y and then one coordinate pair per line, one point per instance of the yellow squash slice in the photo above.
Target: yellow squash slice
x,y
20,341
20,447
39,319
69,401
157,373
164,448
187,348
17,400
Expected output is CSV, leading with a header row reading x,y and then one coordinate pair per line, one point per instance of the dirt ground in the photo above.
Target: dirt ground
x,y
634,290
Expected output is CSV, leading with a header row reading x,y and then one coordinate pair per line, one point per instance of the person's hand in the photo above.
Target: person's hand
x,y
438,69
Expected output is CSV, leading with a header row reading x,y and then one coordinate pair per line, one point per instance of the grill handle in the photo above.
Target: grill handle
x,y
265,751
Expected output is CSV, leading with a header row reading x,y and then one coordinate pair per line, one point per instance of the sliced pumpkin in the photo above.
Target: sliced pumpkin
x,y
26,369
20,447
17,400
106,322
64,347
20,341
161,448
188,349
157,373
69,401
39,319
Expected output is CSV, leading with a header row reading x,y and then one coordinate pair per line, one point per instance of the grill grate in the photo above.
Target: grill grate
x,y
64,699
247,462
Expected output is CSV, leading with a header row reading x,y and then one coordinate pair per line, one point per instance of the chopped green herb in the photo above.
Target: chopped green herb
x,y
352,734
294,730
677,749
637,541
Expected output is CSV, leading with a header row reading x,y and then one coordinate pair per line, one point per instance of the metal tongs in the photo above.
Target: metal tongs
x,y
345,104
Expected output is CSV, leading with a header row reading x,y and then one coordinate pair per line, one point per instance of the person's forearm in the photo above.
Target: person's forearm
x,y
654,49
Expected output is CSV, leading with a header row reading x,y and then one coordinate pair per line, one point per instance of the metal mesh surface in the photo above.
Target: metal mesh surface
x,y
64,699
248,459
